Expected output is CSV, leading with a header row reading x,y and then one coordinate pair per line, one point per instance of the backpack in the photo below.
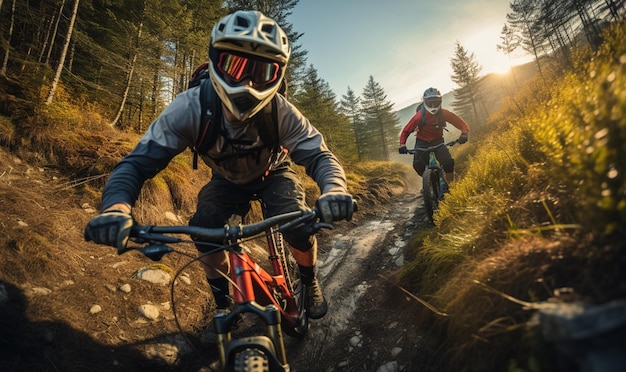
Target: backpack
x,y
266,119
422,108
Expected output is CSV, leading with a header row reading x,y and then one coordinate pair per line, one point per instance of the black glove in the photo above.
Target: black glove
x,y
403,150
463,138
335,206
110,228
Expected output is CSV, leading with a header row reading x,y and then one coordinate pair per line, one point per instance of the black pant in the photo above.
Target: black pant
x,y
281,191
420,158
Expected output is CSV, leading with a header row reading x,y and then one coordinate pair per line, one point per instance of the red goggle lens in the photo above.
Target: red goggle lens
x,y
238,68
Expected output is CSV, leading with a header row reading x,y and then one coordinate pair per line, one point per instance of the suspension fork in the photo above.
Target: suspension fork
x,y
272,251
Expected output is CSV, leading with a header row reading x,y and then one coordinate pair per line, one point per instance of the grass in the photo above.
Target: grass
x,y
541,206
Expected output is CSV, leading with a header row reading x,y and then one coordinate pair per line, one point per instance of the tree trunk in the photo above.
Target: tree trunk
x,y
70,63
3,70
54,33
129,78
68,38
45,40
141,101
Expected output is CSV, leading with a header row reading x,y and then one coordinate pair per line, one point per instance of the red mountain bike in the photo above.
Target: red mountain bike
x,y
275,294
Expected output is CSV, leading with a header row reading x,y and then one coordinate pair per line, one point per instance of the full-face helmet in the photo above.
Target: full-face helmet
x,y
432,100
248,55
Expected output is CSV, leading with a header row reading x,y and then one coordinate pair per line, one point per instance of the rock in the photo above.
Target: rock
x,y
154,275
41,291
88,208
172,217
185,279
125,288
149,312
389,367
95,309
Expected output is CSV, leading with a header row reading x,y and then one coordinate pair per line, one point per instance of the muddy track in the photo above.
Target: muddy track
x,y
368,325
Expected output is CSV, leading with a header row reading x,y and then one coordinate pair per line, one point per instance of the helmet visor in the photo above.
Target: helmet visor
x,y
432,102
237,68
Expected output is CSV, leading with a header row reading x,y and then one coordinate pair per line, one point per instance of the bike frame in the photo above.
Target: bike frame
x,y
269,293
252,294
433,168
433,164
254,281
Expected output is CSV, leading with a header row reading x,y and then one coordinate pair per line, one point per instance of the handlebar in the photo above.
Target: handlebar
x,y
433,148
155,238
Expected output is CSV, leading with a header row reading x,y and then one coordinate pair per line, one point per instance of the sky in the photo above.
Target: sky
x,y
405,45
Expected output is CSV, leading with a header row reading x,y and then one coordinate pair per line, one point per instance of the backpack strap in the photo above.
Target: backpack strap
x,y
210,110
441,119
423,118
267,123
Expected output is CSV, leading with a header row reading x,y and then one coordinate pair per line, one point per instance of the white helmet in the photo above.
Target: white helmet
x,y
432,100
248,55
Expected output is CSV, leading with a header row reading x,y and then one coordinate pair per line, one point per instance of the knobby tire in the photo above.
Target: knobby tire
x,y
430,192
292,277
251,360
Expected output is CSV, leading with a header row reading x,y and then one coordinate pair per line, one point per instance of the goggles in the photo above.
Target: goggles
x,y
433,102
238,68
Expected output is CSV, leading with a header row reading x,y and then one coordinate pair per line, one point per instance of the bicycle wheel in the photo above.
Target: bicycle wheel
x,y
251,360
430,191
292,277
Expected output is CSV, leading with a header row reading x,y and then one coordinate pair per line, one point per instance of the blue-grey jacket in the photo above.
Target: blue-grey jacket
x,y
241,159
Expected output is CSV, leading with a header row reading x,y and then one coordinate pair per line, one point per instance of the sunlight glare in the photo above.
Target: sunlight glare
x,y
483,44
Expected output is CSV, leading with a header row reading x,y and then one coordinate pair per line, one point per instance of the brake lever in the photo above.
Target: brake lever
x,y
317,226
155,251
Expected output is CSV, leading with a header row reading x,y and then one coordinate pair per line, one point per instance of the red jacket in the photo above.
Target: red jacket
x,y
432,129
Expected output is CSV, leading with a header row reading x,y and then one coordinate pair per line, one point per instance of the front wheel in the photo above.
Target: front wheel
x,y
430,192
251,360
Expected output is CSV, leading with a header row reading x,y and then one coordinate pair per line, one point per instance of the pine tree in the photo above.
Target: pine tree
x,y
377,131
350,106
317,102
523,20
510,42
465,70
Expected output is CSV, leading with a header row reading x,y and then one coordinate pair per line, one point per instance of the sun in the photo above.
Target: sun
x,y
482,43
498,64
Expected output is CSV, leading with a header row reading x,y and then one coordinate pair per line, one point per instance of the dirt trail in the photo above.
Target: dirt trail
x,y
369,322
